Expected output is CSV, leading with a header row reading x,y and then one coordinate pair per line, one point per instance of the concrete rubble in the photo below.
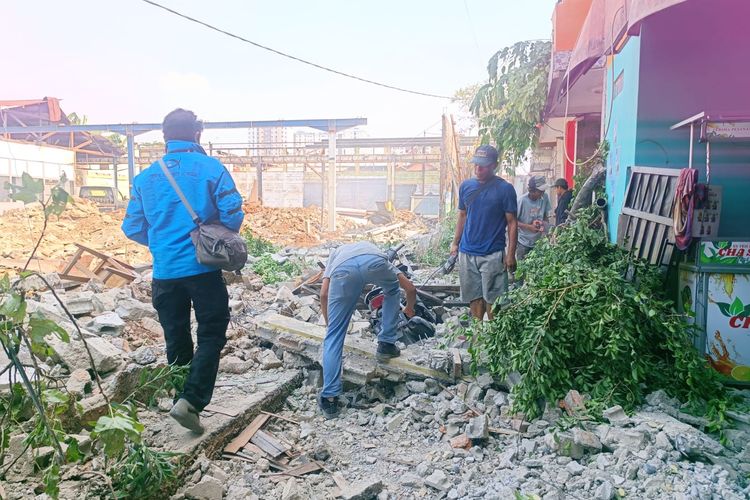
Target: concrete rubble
x,y
416,430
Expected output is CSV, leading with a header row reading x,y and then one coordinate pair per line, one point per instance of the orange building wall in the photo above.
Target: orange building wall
x,y
567,20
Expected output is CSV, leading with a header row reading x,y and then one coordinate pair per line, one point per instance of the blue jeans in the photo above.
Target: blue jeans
x,y
347,282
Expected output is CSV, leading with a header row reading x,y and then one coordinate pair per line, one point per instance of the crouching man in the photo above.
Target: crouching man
x,y
350,267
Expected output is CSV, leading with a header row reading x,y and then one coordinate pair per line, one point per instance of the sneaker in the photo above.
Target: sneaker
x,y
330,409
187,416
387,351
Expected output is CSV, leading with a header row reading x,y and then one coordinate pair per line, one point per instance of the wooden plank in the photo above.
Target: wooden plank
x,y
298,471
673,172
245,436
660,239
663,188
280,417
384,229
457,364
648,239
251,448
647,216
72,262
451,289
269,444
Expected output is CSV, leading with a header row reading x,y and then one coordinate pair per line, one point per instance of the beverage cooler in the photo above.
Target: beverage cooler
x,y
714,291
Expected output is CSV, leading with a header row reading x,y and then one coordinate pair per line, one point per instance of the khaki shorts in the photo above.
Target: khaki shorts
x,y
522,251
482,277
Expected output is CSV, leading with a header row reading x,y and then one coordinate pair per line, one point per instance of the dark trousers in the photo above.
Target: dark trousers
x,y
172,299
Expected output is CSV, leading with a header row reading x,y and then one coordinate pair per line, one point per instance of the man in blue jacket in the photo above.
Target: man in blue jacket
x,y
157,218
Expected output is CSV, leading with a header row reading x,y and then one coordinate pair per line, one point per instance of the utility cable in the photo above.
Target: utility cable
x,y
294,58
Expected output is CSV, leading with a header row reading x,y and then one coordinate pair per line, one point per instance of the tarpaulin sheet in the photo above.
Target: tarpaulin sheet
x,y
606,22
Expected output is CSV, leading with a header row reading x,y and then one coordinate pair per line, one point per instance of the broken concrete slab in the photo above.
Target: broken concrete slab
x,y
73,354
268,360
79,303
233,364
616,416
108,323
79,382
478,428
362,490
240,400
588,440
107,299
132,309
209,488
360,365
438,480
144,355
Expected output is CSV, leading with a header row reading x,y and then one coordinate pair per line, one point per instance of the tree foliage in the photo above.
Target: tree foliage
x,y
590,317
509,105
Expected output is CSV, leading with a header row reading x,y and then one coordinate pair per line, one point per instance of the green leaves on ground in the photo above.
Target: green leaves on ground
x,y
144,472
590,317
112,430
440,244
271,271
161,381
257,246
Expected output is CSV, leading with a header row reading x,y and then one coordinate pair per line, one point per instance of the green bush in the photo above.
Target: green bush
x,y
438,251
590,317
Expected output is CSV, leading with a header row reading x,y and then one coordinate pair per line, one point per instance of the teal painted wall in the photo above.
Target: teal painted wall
x,y
619,121
688,59
693,60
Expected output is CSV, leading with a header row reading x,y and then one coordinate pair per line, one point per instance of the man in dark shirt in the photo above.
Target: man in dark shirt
x,y
486,207
564,196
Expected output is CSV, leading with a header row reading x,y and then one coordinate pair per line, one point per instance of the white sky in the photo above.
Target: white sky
x,y
126,61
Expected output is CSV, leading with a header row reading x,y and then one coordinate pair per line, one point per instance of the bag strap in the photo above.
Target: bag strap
x,y
177,189
479,191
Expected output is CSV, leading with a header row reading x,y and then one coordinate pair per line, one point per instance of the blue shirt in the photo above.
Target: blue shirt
x,y
345,252
484,231
157,218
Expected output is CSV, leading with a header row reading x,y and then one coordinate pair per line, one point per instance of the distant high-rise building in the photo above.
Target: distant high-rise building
x,y
267,140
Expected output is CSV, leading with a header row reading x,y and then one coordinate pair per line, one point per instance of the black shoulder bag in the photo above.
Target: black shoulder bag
x,y
215,244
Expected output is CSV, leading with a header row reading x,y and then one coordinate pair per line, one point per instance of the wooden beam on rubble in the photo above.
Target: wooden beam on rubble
x,y
360,364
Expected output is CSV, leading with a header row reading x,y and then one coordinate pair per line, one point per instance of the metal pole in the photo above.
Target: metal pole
x,y
690,154
114,176
331,195
131,158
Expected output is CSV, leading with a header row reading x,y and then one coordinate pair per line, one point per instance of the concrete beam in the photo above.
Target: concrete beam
x,y
360,364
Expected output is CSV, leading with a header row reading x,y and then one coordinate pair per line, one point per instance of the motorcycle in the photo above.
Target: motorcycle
x,y
419,327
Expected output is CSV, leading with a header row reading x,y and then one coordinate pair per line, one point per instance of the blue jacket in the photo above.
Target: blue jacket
x,y
157,218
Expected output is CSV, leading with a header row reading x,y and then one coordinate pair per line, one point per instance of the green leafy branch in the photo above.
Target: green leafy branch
x,y
510,104
590,317
32,191
137,472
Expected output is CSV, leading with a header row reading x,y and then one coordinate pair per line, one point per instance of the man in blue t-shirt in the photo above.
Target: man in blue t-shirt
x,y
486,208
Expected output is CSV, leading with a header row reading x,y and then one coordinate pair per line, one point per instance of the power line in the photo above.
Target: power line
x,y
294,58
473,32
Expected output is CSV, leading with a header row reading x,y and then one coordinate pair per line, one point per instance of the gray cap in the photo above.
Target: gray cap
x,y
537,182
